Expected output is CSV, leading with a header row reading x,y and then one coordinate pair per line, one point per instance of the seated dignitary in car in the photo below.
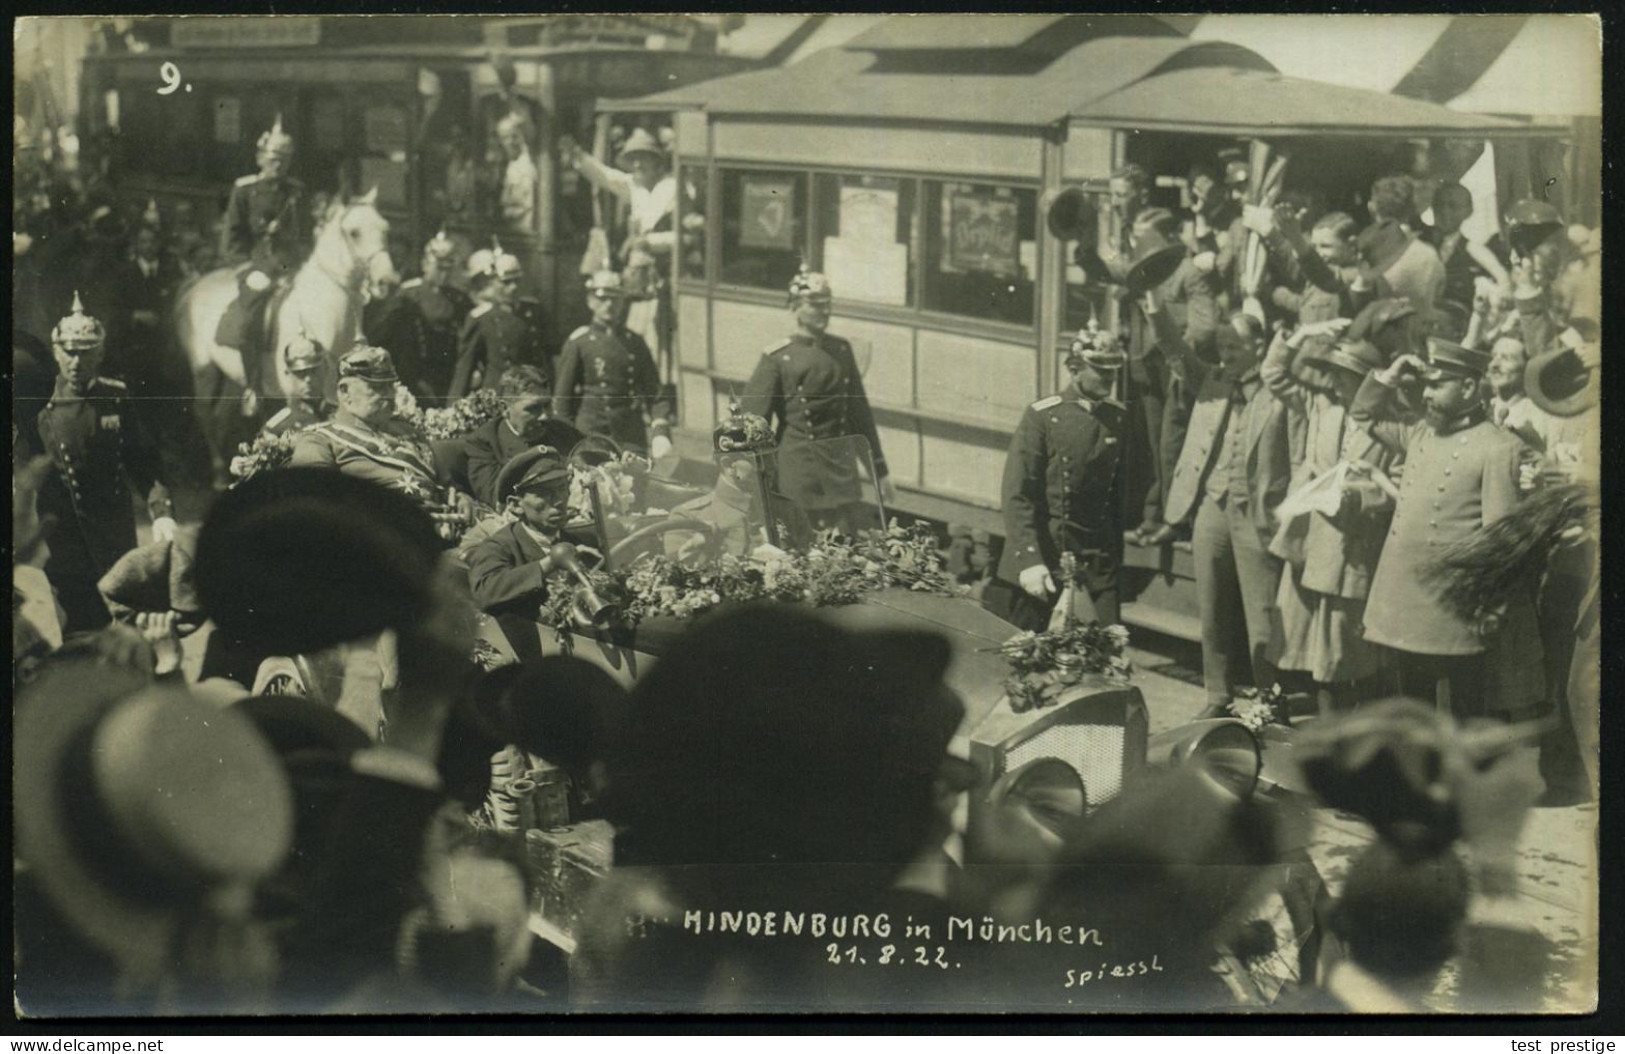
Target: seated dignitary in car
x,y
525,423
509,570
365,439
733,509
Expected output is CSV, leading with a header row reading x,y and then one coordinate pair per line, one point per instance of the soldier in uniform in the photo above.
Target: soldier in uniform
x,y
525,423
303,360
365,439
734,508
1461,473
499,332
809,388
1060,490
268,224
420,325
607,377
101,453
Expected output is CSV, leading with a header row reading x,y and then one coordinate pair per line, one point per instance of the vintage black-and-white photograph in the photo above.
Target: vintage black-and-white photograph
x,y
765,512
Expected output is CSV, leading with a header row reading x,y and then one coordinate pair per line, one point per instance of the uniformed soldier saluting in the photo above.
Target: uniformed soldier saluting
x,y
499,332
268,223
99,448
809,388
302,360
1060,490
421,323
607,378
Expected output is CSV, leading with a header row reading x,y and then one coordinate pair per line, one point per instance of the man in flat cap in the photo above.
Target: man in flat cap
x,y
508,571
1060,490
735,507
302,360
809,387
498,333
365,439
101,452
1461,473
607,380
420,324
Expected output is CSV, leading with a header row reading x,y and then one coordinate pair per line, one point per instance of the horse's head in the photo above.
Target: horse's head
x,y
364,234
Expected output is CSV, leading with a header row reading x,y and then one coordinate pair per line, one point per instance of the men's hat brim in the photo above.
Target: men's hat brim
x,y
1560,384
301,559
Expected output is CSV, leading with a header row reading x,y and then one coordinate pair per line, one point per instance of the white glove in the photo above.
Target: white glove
x,y
887,491
251,402
1038,582
659,447
163,529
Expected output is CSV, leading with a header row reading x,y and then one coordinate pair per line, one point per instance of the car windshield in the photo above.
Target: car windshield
x,y
781,498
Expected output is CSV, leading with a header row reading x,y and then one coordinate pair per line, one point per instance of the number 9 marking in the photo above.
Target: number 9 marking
x,y
172,78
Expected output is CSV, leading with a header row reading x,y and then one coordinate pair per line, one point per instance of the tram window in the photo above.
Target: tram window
x,y
764,228
691,210
866,230
981,251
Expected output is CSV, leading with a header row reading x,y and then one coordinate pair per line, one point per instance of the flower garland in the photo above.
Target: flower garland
x,y
835,571
1044,665
616,483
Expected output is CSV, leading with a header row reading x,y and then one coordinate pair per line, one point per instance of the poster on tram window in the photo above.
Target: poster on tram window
x,y
767,213
983,234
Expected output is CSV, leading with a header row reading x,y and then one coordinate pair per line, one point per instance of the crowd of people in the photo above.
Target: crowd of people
x,y
1321,429
192,839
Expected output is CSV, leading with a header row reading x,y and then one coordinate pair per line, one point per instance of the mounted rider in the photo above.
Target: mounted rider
x,y
268,223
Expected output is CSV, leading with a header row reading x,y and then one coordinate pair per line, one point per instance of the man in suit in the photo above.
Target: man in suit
x,y
1461,474
525,423
421,322
101,453
1159,400
1060,490
509,570
497,334
1233,471
1464,262
607,377
810,388
267,223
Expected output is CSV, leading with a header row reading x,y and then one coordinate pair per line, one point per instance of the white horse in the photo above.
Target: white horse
x,y
324,301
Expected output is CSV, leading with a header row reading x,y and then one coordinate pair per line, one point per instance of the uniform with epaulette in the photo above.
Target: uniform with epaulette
x,y
101,453
303,358
420,326
734,509
394,453
810,388
1060,490
268,223
495,335
607,378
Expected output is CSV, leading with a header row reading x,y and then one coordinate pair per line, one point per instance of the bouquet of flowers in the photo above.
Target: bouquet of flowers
x,y
265,452
616,483
452,420
1258,709
1045,665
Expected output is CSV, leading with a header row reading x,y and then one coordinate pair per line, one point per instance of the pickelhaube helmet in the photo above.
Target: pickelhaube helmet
x,y
482,263
605,284
440,246
504,264
742,432
302,353
275,139
78,331
810,285
1102,349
